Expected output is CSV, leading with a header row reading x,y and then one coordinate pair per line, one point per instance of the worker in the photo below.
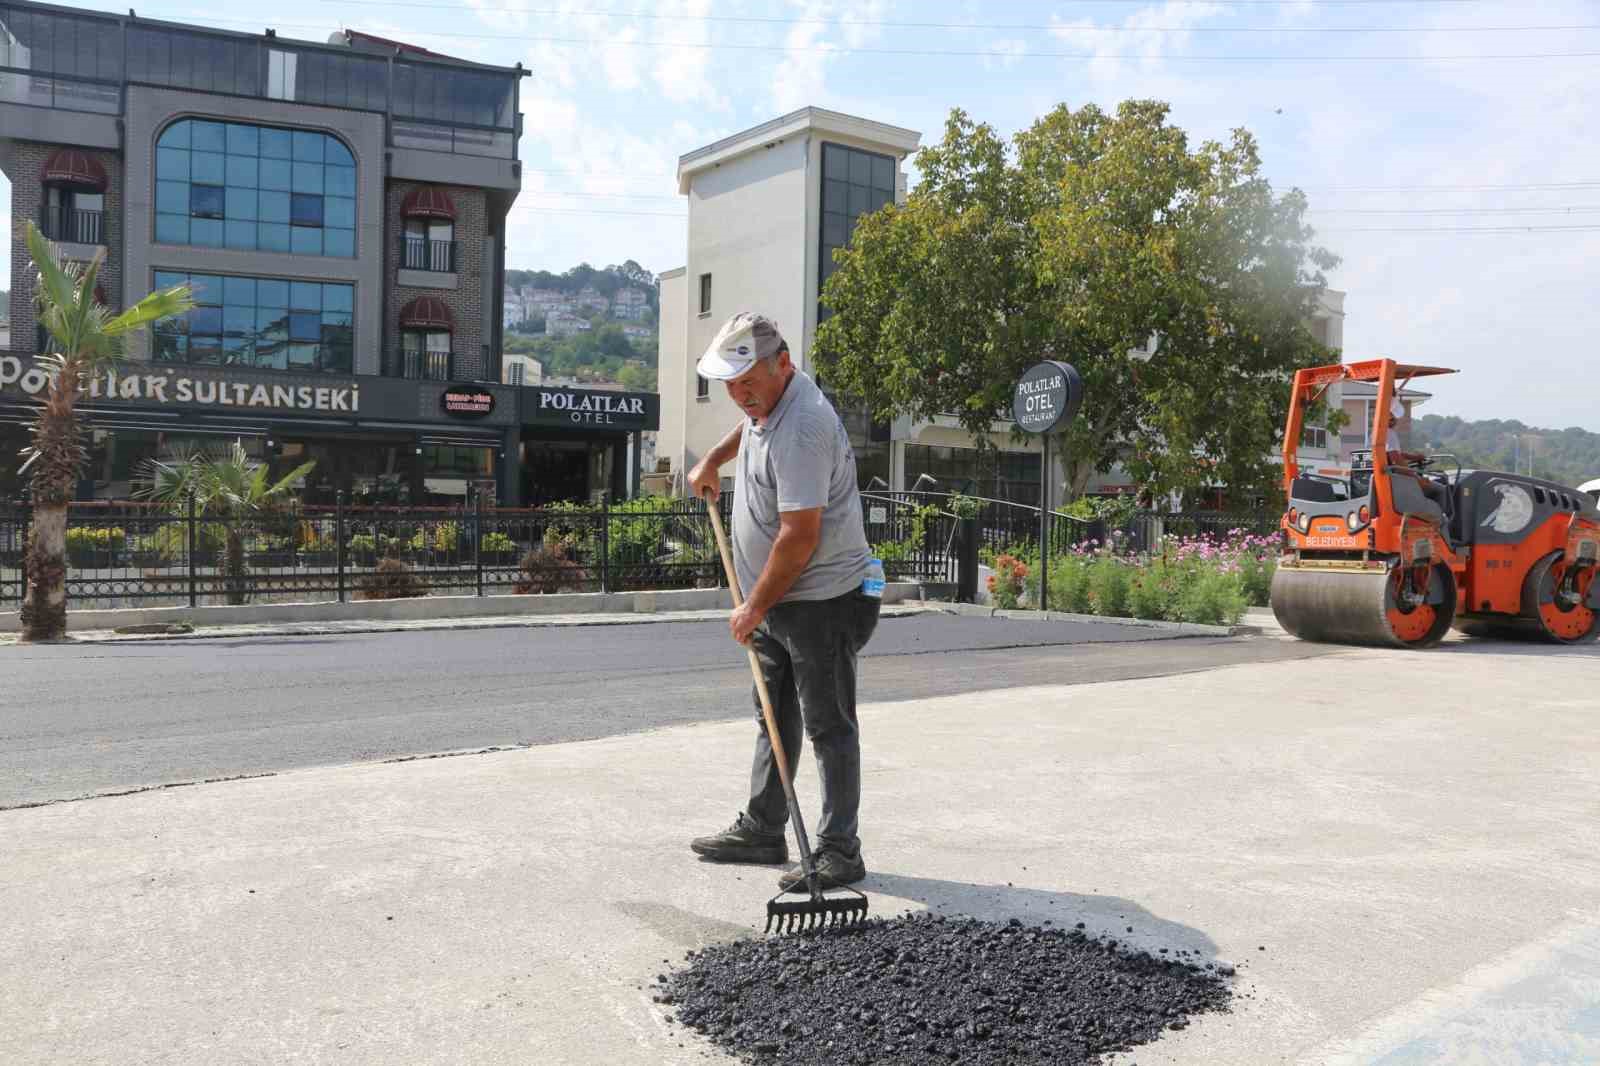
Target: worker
x,y
800,553
1407,462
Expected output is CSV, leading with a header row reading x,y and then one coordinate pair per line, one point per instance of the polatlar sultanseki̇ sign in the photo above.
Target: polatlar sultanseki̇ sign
x,y
167,385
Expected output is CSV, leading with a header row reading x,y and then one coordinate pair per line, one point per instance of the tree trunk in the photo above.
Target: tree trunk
x,y
44,605
234,568
55,468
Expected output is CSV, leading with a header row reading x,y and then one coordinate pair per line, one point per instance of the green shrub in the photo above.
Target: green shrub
x,y
1149,591
1257,577
1212,597
1069,585
498,542
1108,587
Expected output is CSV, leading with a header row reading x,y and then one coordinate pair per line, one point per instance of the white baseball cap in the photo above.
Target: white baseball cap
x,y
743,339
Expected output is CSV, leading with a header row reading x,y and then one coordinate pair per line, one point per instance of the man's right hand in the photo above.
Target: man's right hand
x,y
705,478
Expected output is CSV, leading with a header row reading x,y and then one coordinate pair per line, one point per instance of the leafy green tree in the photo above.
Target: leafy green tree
x,y
1084,238
87,339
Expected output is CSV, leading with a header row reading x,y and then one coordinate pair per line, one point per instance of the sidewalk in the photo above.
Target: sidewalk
x,y
1380,850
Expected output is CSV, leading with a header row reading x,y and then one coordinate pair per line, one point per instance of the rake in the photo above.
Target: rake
x,y
818,911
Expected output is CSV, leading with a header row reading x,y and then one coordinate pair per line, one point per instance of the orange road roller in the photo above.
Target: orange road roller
x,y
1401,547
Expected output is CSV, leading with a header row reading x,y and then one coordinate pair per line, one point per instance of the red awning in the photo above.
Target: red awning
x,y
427,312
428,201
69,167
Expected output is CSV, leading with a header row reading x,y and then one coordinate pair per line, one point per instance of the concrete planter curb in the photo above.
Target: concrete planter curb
x,y
1188,629
474,611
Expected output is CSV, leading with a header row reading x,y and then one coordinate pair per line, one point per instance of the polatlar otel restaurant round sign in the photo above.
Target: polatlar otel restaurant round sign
x,y
1047,396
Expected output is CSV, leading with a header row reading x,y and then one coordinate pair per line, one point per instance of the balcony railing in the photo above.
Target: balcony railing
x,y
417,253
424,366
74,226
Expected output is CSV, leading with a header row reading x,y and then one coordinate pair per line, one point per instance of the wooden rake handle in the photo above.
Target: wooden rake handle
x,y
767,716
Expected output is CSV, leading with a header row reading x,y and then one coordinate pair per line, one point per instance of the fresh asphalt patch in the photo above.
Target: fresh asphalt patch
x,y
930,989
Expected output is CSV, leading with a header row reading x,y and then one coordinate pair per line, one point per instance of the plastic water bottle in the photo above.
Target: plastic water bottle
x,y
873,584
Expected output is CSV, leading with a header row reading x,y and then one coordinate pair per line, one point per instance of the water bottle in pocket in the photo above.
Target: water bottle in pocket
x,y
872,584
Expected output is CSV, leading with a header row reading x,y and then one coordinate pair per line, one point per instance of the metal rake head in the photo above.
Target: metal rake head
x,y
815,913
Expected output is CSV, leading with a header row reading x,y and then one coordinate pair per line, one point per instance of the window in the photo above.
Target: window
x,y
514,374
261,323
705,294
206,201
427,354
1314,437
429,245
74,215
702,388
854,183
255,188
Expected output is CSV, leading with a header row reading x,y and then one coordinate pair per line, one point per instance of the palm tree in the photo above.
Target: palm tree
x,y
227,485
88,341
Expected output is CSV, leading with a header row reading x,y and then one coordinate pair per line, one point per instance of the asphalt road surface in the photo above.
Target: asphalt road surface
x,y
100,719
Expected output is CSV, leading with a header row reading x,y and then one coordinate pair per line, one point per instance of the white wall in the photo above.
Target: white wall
x,y
747,229
673,379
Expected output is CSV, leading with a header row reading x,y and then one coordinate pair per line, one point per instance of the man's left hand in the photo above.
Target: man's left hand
x,y
744,621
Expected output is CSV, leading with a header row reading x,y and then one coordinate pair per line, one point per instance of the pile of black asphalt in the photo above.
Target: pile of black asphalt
x,y
928,989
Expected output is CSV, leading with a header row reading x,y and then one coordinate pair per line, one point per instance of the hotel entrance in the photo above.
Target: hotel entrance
x,y
576,468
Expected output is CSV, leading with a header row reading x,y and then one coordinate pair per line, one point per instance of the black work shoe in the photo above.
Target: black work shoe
x,y
833,869
742,842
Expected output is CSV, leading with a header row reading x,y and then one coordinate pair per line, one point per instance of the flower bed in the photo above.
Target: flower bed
x,y
1209,580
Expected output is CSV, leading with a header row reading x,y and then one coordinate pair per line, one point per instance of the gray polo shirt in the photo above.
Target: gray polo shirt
x,y
801,458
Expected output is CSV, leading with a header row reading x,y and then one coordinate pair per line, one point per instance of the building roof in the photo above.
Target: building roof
x,y
893,140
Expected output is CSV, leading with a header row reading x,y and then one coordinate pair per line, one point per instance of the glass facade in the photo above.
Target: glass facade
x,y
60,60
1012,476
854,183
255,188
262,323
76,62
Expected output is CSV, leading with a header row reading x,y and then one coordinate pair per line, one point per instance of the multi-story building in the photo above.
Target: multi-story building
x,y
630,312
338,209
767,207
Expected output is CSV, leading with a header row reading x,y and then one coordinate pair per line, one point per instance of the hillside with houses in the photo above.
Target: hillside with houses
x,y
586,326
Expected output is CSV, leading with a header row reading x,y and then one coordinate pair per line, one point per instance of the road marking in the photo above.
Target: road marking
x,y
1537,1004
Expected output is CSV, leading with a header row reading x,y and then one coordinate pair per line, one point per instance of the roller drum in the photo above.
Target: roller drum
x,y
1541,618
1357,607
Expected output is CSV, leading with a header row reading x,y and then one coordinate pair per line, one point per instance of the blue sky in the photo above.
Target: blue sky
x,y
1458,148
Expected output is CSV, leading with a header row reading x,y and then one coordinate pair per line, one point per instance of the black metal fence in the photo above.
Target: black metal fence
x,y
132,555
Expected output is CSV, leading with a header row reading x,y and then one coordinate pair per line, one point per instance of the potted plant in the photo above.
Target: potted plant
x,y
91,548
496,549
271,552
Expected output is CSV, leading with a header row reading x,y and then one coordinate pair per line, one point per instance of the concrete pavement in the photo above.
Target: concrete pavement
x,y
1410,838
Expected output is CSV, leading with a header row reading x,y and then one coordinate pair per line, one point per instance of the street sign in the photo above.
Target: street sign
x,y
1046,398
1048,395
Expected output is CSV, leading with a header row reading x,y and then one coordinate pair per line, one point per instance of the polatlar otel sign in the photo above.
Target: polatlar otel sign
x,y
1047,395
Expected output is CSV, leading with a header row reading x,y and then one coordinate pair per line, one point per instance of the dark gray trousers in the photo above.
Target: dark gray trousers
x,y
807,651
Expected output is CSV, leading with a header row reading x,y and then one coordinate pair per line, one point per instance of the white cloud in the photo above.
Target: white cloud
x,y
621,60
1009,53
685,74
